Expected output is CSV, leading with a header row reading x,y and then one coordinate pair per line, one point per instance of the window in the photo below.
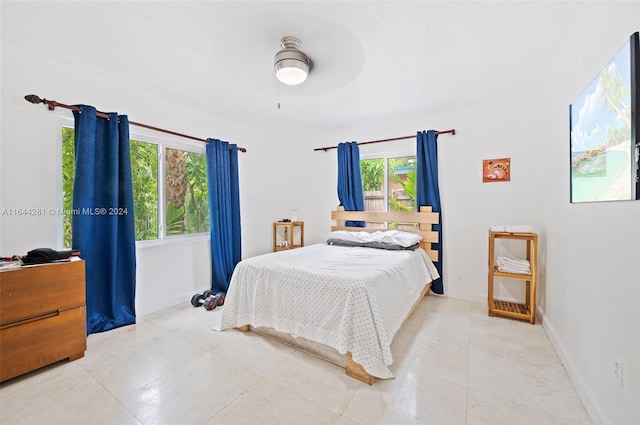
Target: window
x,y
185,197
68,173
187,203
144,172
389,183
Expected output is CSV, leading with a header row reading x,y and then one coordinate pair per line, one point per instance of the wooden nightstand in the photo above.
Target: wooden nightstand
x,y
288,235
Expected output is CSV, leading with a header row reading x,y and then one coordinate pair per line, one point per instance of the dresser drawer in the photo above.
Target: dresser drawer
x,y
34,344
35,291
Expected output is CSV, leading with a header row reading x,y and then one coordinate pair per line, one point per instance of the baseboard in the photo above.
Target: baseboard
x,y
478,298
144,310
468,297
593,408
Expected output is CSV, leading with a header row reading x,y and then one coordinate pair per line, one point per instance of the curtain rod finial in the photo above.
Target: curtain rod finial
x,y
33,99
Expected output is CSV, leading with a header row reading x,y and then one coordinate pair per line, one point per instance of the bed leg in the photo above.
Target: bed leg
x,y
244,328
355,370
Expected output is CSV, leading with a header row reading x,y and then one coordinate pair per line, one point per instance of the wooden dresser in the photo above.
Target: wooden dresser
x,y
42,316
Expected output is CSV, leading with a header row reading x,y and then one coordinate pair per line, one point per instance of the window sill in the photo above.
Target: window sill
x,y
172,240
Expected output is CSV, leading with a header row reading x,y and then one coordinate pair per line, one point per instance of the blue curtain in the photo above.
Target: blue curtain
x,y
427,189
104,228
350,191
224,212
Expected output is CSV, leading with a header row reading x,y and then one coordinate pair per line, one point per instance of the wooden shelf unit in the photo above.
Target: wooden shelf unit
x,y
521,311
290,231
42,316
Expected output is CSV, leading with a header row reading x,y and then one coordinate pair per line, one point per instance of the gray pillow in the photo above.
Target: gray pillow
x,y
373,244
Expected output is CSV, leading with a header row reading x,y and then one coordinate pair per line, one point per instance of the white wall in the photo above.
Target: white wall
x,y
591,300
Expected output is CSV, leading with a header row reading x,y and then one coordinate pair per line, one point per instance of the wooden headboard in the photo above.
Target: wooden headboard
x,y
379,221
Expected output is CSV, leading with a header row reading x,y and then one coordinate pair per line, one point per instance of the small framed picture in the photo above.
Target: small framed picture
x,y
496,170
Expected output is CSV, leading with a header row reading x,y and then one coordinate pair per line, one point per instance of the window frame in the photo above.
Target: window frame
x,y
164,147
386,155
163,142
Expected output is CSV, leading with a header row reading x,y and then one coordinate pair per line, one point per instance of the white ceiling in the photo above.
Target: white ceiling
x,y
372,60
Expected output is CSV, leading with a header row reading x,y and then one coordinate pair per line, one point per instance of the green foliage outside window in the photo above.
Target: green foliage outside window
x,y
408,183
372,174
400,177
187,208
68,174
144,167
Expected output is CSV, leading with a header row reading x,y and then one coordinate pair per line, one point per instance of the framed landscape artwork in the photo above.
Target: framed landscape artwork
x,y
604,124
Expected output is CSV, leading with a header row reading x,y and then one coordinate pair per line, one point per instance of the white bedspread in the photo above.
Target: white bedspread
x,y
349,298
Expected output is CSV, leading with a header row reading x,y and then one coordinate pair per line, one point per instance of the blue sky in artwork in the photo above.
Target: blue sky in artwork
x,y
589,117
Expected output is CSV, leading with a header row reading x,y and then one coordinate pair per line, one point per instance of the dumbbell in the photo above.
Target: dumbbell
x,y
198,299
212,301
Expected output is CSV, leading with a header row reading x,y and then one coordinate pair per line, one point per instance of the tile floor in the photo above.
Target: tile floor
x,y
453,365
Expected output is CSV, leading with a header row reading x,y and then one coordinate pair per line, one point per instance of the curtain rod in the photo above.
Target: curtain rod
x,y
452,131
52,104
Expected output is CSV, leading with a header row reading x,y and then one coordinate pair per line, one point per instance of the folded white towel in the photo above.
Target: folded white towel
x,y
519,269
511,270
514,270
513,262
511,228
510,265
513,266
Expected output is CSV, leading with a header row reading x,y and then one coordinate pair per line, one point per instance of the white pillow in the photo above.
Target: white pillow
x,y
345,235
398,237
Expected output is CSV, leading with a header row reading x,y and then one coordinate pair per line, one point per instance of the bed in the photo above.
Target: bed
x,y
341,303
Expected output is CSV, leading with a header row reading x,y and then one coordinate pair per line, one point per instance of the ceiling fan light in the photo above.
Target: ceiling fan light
x,y
291,64
291,71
